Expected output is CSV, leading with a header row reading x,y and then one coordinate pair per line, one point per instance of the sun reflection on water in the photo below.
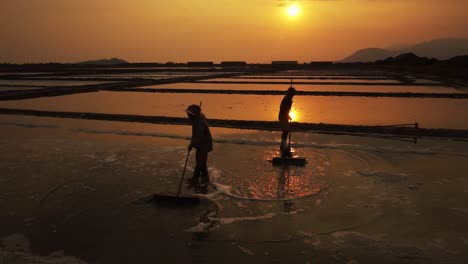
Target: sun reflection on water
x,y
281,183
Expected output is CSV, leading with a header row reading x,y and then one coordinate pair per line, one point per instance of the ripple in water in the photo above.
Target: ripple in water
x,y
259,180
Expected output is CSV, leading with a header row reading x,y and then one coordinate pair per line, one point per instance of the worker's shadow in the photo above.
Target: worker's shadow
x,y
284,179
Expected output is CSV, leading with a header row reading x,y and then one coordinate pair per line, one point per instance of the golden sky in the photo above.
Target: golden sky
x,y
218,30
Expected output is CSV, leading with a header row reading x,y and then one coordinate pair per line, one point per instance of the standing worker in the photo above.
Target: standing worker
x,y
201,141
285,119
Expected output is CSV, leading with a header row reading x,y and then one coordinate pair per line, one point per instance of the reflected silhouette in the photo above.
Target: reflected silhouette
x,y
283,188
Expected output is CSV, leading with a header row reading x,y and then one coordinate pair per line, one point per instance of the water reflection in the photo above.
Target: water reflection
x,y
50,82
301,80
284,178
288,182
428,112
311,87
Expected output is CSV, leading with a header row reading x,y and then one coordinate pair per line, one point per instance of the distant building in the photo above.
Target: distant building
x,y
284,62
321,63
200,63
233,63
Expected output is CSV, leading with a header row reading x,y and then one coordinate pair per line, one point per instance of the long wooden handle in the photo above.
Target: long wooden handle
x,y
183,173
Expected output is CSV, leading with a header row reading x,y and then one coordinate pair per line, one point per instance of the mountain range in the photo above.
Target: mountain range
x,y
441,49
113,61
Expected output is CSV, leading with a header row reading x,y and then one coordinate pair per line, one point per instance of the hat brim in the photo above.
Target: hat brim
x,y
190,112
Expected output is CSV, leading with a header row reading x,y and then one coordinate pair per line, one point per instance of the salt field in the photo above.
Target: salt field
x,y
428,112
47,82
252,132
313,87
78,190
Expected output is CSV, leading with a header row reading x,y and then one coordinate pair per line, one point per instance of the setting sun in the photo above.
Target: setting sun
x,y
293,10
293,115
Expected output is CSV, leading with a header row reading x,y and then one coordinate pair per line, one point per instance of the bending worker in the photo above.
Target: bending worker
x,y
284,119
201,141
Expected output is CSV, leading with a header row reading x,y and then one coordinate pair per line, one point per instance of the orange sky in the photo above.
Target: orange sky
x,y
218,30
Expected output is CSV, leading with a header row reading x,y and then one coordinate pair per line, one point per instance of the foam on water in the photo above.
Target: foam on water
x,y
212,222
266,187
16,249
200,227
230,220
463,210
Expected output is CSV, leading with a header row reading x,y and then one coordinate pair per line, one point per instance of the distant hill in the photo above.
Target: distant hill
x,y
113,61
408,59
459,61
441,49
369,55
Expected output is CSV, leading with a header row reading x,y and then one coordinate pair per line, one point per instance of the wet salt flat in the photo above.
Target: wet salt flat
x,y
161,73
81,78
317,76
312,87
429,113
157,76
77,191
424,81
298,80
371,79
21,73
18,88
330,72
355,193
48,82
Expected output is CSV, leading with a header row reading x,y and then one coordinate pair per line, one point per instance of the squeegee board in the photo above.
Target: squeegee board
x,y
174,199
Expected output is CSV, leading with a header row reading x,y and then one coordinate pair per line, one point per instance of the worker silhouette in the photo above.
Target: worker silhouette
x,y
201,140
284,119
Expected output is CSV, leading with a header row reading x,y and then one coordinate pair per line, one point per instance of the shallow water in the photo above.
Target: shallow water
x,y
312,87
319,75
17,88
300,80
48,82
429,113
81,78
80,186
73,188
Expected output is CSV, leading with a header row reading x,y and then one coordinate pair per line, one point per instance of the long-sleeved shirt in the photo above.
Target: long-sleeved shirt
x,y
285,107
201,135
